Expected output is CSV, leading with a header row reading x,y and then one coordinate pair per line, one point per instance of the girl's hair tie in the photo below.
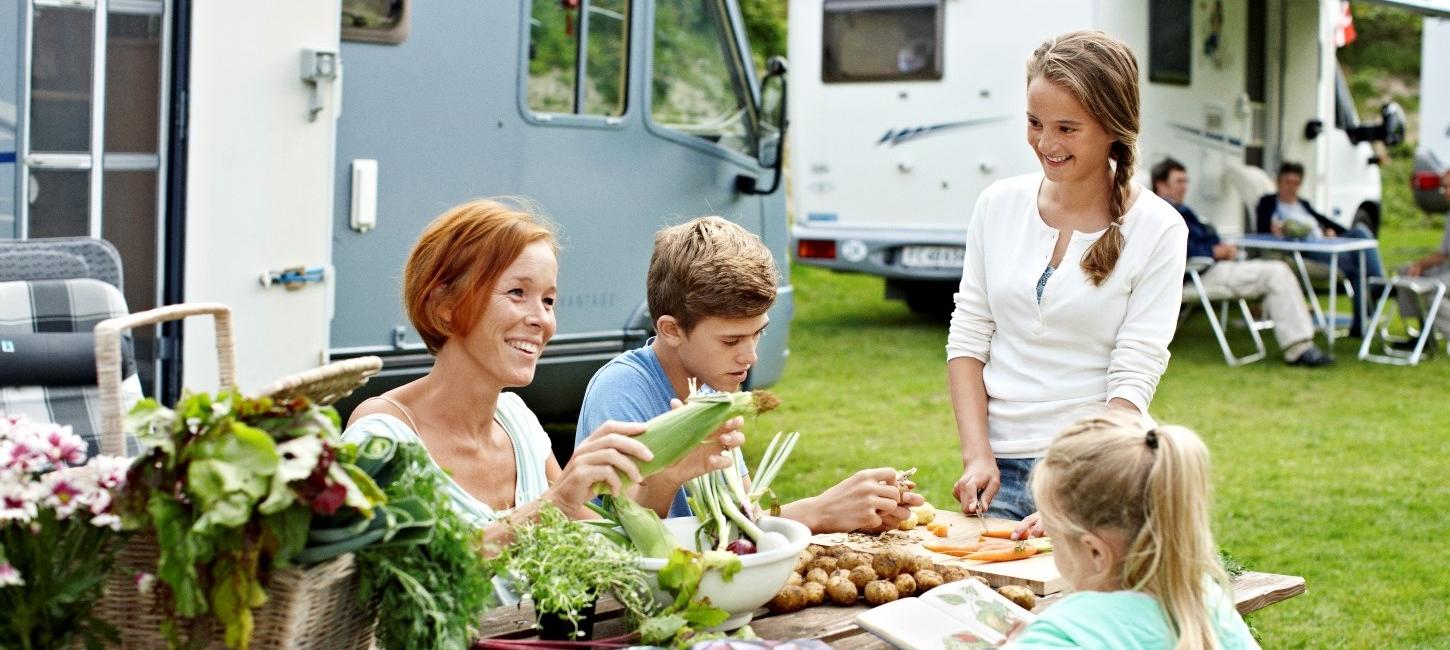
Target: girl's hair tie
x,y
1152,438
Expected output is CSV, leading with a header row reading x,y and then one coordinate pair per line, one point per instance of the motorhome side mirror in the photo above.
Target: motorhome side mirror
x,y
771,145
1312,129
1392,124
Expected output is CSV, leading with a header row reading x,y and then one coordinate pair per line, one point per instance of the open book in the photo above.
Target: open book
x,y
962,615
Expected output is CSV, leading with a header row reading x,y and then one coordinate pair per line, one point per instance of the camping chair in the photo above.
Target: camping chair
x,y
1195,294
1415,291
47,353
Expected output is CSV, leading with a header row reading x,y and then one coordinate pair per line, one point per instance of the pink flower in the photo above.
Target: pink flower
x,y
145,582
106,520
66,448
17,502
9,576
21,453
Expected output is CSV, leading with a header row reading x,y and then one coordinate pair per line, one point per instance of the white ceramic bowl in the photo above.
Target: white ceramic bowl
x,y
761,574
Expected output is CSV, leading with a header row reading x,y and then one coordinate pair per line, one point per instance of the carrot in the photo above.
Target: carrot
x,y
952,548
1014,553
999,533
942,530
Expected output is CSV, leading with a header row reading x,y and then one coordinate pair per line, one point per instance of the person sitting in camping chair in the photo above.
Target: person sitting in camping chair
x,y
1435,266
1284,214
1272,279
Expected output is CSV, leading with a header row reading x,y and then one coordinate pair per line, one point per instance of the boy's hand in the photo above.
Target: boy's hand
x,y
864,501
710,455
1276,228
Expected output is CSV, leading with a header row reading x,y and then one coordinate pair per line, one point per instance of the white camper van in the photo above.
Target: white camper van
x,y
915,106
1432,157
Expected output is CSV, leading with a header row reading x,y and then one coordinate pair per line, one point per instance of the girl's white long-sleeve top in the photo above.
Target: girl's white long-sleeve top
x,y
1051,363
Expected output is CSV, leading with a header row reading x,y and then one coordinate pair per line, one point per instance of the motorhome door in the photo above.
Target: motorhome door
x,y
263,104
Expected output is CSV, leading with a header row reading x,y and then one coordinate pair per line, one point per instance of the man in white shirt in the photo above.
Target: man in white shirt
x,y
1283,213
1272,279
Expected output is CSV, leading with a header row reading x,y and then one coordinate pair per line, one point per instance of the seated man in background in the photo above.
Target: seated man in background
x,y
1272,279
1433,266
1284,213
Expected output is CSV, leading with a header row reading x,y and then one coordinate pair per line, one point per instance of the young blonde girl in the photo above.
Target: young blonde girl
x,y
1127,510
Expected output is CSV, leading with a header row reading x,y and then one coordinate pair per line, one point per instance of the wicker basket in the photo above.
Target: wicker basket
x,y
307,608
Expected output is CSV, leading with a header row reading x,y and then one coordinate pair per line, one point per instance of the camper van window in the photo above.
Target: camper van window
x,y
1345,114
1170,41
375,21
558,33
699,85
874,40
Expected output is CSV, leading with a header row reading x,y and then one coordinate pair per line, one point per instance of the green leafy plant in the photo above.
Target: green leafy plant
x,y
230,484
565,567
431,583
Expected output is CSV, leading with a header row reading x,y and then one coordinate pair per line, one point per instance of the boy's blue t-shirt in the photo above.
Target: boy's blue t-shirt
x,y
1124,620
632,387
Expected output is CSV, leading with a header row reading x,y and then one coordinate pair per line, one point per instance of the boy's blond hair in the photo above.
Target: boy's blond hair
x,y
709,267
1151,486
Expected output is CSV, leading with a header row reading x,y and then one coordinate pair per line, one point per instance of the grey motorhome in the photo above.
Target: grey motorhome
x,y
281,157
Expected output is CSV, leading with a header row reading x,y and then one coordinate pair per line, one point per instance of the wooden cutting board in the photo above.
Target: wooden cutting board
x,y
1038,573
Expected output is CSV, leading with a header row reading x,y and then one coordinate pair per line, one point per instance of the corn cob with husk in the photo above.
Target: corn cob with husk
x,y
672,435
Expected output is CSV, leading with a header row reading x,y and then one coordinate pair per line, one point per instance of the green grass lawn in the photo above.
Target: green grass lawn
x,y
1338,475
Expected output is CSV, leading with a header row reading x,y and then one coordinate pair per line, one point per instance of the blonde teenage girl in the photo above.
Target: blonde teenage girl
x,y
1072,278
1127,509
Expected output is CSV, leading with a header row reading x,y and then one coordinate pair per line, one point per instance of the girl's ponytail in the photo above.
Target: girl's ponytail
x,y
1174,553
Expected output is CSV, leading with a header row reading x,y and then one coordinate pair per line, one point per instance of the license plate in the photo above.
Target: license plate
x,y
932,257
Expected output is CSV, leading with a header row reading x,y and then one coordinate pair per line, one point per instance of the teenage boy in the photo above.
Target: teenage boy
x,y
1273,279
710,285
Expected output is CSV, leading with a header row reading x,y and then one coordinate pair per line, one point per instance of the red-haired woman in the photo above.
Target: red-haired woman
x,y
480,287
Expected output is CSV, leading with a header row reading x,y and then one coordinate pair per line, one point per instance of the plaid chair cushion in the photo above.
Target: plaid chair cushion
x,y
75,305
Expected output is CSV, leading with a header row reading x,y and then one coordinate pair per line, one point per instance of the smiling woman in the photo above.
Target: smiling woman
x,y
480,287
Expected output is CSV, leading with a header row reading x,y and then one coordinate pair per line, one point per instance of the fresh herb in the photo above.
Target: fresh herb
x,y
565,566
432,590
230,484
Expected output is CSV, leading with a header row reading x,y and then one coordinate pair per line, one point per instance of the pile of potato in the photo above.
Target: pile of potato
x,y
842,576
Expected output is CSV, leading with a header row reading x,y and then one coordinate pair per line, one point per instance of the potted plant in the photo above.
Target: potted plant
x,y
565,567
57,535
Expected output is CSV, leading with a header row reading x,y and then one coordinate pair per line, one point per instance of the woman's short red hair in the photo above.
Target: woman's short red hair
x,y
457,260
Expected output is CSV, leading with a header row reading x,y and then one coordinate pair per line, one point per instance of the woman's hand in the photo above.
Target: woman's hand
x,y
608,452
1029,527
979,483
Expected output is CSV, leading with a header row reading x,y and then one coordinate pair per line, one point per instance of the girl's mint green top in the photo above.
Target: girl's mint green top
x,y
532,452
1124,620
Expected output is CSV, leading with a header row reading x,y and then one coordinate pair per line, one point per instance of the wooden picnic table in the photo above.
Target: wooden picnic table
x,y
836,625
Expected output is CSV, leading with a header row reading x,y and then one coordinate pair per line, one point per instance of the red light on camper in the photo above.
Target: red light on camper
x,y
820,249
1425,181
